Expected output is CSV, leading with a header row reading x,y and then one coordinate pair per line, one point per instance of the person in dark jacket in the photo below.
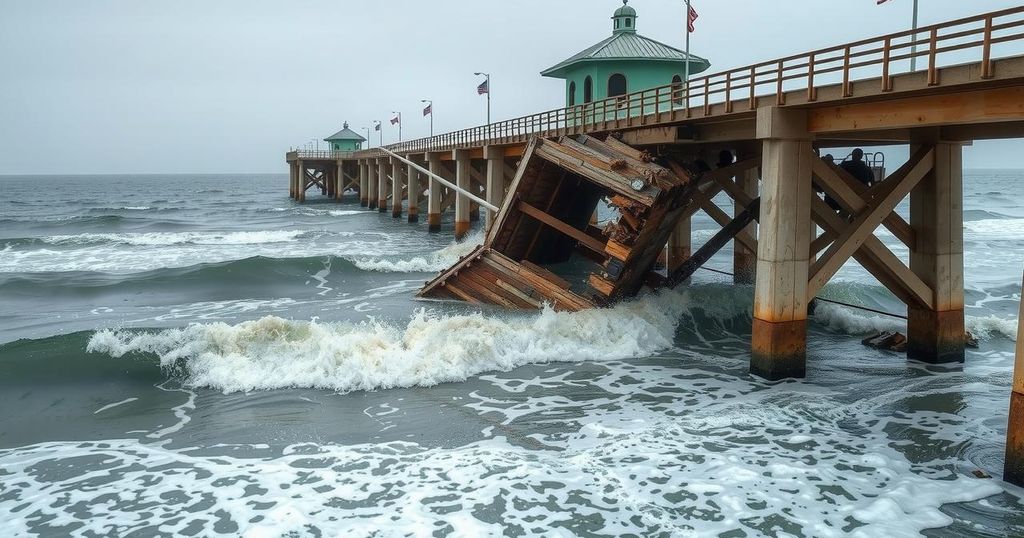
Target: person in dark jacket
x,y
858,169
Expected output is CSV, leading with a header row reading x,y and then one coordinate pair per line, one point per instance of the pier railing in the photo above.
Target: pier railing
x,y
320,155
969,40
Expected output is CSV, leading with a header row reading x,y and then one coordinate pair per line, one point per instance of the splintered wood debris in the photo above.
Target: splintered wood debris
x,y
545,225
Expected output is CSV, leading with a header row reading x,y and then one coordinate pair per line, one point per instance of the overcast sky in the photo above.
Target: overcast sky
x,y
129,86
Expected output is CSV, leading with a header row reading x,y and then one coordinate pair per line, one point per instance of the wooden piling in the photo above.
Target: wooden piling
x,y
435,194
779,341
339,180
292,179
364,184
495,187
680,245
382,184
372,183
397,183
744,260
300,194
413,177
463,179
1013,468
937,335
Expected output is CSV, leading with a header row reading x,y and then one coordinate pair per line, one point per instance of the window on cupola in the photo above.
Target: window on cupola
x,y
629,23
572,93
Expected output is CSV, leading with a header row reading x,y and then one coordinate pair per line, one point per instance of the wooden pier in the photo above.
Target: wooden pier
x,y
776,118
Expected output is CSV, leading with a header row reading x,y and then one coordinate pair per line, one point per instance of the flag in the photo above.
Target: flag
x,y
429,110
692,18
880,2
396,120
376,127
483,88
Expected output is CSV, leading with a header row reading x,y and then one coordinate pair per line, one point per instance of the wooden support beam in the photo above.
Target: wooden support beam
x,y
414,192
724,220
728,232
383,183
398,182
897,187
779,339
463,175
567,229
495,180
372,170
980,106
364,183
434,197
937,334
1013,468
849,193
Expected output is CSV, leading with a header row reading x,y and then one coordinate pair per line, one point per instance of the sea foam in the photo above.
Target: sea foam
x,y
433,262
273,353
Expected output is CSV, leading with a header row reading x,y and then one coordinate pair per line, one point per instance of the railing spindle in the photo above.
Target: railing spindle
x,y
886,53
933,72
753,88
728,92
812,92
986,57
780,96
846,73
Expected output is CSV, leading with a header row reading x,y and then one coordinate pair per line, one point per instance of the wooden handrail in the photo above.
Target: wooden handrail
x,y
882,51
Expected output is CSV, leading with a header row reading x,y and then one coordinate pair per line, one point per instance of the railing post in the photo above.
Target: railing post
x,y
707,96
728,92
846,73
986,58
933,72
886,54
780,96
812,94
753,88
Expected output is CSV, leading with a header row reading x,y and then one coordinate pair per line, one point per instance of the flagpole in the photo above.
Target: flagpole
x,y
430,105
913,51
687,71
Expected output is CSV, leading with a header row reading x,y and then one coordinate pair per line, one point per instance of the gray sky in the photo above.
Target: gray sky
x,y
129,86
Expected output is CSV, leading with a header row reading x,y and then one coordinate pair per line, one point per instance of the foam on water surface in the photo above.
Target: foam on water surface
x,y
431,348
651,449
433,262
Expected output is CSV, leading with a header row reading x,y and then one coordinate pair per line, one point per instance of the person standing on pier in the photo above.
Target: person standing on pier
x,y
858,169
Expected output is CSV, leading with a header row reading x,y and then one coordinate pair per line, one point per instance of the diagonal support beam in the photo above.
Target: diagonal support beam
x,y
719,240
851,195
895,189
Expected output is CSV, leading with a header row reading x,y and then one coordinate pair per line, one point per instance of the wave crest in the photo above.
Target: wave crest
x,y
274,353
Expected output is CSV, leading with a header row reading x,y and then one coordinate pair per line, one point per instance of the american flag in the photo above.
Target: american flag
x,y
377,126
429,110
880,2
395,120
692,18
483,88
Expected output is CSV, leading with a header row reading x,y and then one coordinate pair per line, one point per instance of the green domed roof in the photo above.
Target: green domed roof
x,y
624,11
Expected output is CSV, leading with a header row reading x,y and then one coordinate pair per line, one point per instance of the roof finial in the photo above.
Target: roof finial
x,y
344,125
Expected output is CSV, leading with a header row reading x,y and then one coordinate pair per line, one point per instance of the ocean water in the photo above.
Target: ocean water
x,y
200,356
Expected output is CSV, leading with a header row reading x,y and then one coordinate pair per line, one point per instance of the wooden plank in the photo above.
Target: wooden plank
x,y
980,106
555,279
578,235
601,285
607,179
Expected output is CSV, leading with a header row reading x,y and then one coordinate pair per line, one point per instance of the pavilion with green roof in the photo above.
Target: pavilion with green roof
x,y
623,63
345,140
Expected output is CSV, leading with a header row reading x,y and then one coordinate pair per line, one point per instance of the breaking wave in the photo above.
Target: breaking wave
x,y
433,262
273,353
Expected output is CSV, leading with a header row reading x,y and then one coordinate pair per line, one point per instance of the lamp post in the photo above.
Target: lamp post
x,y
399,114
430,105
376,126
488,75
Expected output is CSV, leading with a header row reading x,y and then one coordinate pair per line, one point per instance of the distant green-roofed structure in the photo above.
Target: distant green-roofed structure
x,y
623,63
345,140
